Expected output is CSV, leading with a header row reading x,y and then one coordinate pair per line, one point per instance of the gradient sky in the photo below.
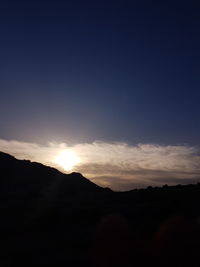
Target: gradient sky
x,y
79,71
106,79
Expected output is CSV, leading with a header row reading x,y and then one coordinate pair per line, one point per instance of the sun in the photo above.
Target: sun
x,y
67,159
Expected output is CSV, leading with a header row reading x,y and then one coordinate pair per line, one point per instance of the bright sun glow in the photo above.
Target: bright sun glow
x,y
67,159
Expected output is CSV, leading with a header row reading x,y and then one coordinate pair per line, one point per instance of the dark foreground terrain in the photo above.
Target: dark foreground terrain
x,y
49,218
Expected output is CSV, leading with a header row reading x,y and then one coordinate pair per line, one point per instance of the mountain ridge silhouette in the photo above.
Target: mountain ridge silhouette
x,y
48,217
27,171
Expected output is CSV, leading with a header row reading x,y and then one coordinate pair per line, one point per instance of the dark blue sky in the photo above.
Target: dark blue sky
x,y
79,71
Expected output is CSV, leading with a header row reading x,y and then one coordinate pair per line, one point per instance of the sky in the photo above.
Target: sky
x,y
111,81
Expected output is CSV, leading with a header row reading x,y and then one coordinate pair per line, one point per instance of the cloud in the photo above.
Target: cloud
x,y
118,165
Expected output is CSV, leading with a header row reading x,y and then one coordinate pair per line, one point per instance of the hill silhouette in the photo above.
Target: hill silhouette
x,y
52,218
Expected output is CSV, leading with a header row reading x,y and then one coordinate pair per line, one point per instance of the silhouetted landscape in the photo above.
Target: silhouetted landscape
x,y
51,218
99,133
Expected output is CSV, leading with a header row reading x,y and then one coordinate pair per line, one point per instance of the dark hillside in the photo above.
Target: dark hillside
x,y
51,218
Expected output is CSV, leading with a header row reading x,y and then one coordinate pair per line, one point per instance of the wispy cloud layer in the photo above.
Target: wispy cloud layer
x,y
118,165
